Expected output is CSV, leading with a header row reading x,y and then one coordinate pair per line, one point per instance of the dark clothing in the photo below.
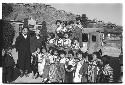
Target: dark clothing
x,y
9,73
34,65
60,35
24,56
8,68
115,64
83,72
68,77
35,43
62,71
9,61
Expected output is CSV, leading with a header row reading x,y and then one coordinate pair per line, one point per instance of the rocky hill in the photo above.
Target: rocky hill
x,y
39,12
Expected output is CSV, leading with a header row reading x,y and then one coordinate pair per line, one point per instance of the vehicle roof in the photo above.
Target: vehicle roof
x,y
90,30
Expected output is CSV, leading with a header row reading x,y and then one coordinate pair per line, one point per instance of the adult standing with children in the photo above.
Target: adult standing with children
x,y
36,41
23,47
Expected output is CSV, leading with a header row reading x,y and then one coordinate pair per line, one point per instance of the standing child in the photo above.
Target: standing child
x,y
78,76
93,67
9,65
107,70
50,54
75,45
84,69
54,76
62,62
46,66
38,57
69,67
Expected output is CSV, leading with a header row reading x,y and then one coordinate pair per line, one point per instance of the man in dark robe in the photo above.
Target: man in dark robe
x,y
36,41
24,56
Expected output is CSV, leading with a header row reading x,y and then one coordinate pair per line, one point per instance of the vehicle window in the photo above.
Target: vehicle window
x,y
93,38
84,37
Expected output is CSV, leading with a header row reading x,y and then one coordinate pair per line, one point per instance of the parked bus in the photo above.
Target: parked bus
x,y
92,39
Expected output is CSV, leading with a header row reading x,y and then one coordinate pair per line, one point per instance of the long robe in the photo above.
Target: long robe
x,y
24,55
35,43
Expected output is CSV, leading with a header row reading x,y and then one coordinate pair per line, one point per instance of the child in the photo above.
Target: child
x,y
46,67
54,76
84,69
51,39
78,76
93,67
34,63
59,29
55,55
62,62
70,26
38,57
59,26
64,29
75,44
66,41
69,67
107,70
9,65
50,54
60,42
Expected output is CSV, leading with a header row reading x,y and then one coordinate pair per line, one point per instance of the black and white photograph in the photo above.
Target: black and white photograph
x,y
62,43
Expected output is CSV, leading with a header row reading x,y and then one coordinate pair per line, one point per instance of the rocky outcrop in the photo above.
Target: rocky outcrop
x,y
39,12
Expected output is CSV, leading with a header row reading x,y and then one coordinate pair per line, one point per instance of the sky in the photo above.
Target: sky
x,y
108,12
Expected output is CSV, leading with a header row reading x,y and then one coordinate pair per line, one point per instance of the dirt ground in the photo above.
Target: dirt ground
x,y
29,79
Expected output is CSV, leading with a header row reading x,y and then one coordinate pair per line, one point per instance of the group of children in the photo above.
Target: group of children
x,y
62,61
58,66
64,36
68,63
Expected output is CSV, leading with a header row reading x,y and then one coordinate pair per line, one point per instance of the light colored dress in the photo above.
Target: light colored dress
x,y
15,55
77,78
41,63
